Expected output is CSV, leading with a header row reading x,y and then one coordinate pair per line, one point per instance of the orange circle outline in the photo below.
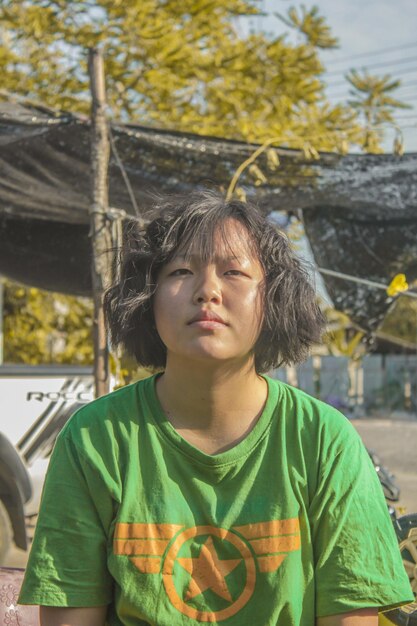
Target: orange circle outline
x,y
168,570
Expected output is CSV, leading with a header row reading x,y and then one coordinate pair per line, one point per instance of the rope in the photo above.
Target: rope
x,y
116,217
363,281
123,172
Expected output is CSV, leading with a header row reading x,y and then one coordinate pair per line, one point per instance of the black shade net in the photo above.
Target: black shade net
x,y
359,211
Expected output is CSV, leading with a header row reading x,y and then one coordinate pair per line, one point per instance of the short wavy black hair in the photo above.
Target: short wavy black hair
x,y
292,320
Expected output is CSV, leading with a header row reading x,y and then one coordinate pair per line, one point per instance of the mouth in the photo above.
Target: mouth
x,y
206,318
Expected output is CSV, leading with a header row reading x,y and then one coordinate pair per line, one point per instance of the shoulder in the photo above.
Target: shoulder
x,y
312,418
321,442
109,416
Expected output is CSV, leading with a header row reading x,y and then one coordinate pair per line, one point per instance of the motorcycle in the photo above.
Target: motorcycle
x,y
405,528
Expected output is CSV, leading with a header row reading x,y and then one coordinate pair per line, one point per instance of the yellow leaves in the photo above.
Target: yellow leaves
x,y
398,147
342,338
397,285
310,152
343,346
241,194
173,50
41,327
344,146
253,169
272,159
257,174
371,97
246,127
165,59
401,319
312,25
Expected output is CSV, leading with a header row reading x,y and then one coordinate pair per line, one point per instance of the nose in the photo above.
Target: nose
x,y
208,287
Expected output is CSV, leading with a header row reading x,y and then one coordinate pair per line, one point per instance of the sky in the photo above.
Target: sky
x,y
370,32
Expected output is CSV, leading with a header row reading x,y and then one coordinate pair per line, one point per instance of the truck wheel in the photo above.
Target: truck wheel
x,y
5,533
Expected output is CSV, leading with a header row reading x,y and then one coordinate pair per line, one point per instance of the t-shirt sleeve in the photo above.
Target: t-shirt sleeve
x,y
357,559
68,560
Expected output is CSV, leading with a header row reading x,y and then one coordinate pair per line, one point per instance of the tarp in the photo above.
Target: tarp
x,y
360,211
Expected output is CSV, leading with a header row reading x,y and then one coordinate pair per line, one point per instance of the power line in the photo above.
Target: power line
x,y
373,52
406,85
399,93
333,98
401,127
364,281
348,85
398,73
407,98
374,66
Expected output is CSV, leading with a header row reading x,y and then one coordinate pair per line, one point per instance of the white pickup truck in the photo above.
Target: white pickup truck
x,y
35,403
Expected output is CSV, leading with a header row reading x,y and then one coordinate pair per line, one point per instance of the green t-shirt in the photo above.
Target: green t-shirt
x,y
289,524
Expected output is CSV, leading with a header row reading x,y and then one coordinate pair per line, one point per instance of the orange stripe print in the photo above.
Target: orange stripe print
x,y
131,547
145,544
268,538
270,563
269,529
275,544
125,530
147,565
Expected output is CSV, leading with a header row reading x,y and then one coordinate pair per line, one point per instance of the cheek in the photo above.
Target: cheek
x,y
253,304
159,306
166,304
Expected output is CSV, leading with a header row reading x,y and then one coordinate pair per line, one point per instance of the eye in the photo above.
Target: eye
x,y
234,273
181,271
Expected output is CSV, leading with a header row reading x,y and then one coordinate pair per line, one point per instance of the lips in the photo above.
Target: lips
x,y
207,316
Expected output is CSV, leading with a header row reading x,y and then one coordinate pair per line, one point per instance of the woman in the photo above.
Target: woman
x,y
210,492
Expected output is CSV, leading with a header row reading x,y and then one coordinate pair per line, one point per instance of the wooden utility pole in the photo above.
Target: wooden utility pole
x,y
99,229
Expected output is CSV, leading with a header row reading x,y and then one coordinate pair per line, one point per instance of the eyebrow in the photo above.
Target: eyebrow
x,y
182,257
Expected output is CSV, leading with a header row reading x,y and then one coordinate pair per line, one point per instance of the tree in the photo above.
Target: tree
x,y
179,65
46,327
311,24
372,98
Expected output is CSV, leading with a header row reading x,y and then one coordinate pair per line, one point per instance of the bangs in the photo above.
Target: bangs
x,y
202,233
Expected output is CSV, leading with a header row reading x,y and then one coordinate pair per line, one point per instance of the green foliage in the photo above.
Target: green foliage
x,y
45,327
178,65
311,24
372,98
401,320
400,323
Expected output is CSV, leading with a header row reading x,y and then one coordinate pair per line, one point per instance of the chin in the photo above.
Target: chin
x,y
218,357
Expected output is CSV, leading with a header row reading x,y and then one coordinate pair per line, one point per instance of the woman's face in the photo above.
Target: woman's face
x,y
212,310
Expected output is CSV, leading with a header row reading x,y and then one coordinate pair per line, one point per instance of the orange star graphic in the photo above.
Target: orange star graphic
x,y
208,572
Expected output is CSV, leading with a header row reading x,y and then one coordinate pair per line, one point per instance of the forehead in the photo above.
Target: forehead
x,y
229,239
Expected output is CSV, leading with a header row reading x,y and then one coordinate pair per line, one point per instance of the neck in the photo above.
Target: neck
x,y
212,407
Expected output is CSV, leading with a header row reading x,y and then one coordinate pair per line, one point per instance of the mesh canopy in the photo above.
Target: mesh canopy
x,y
360,211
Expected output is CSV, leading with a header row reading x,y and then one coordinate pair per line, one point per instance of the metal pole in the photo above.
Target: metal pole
x,y
99,226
